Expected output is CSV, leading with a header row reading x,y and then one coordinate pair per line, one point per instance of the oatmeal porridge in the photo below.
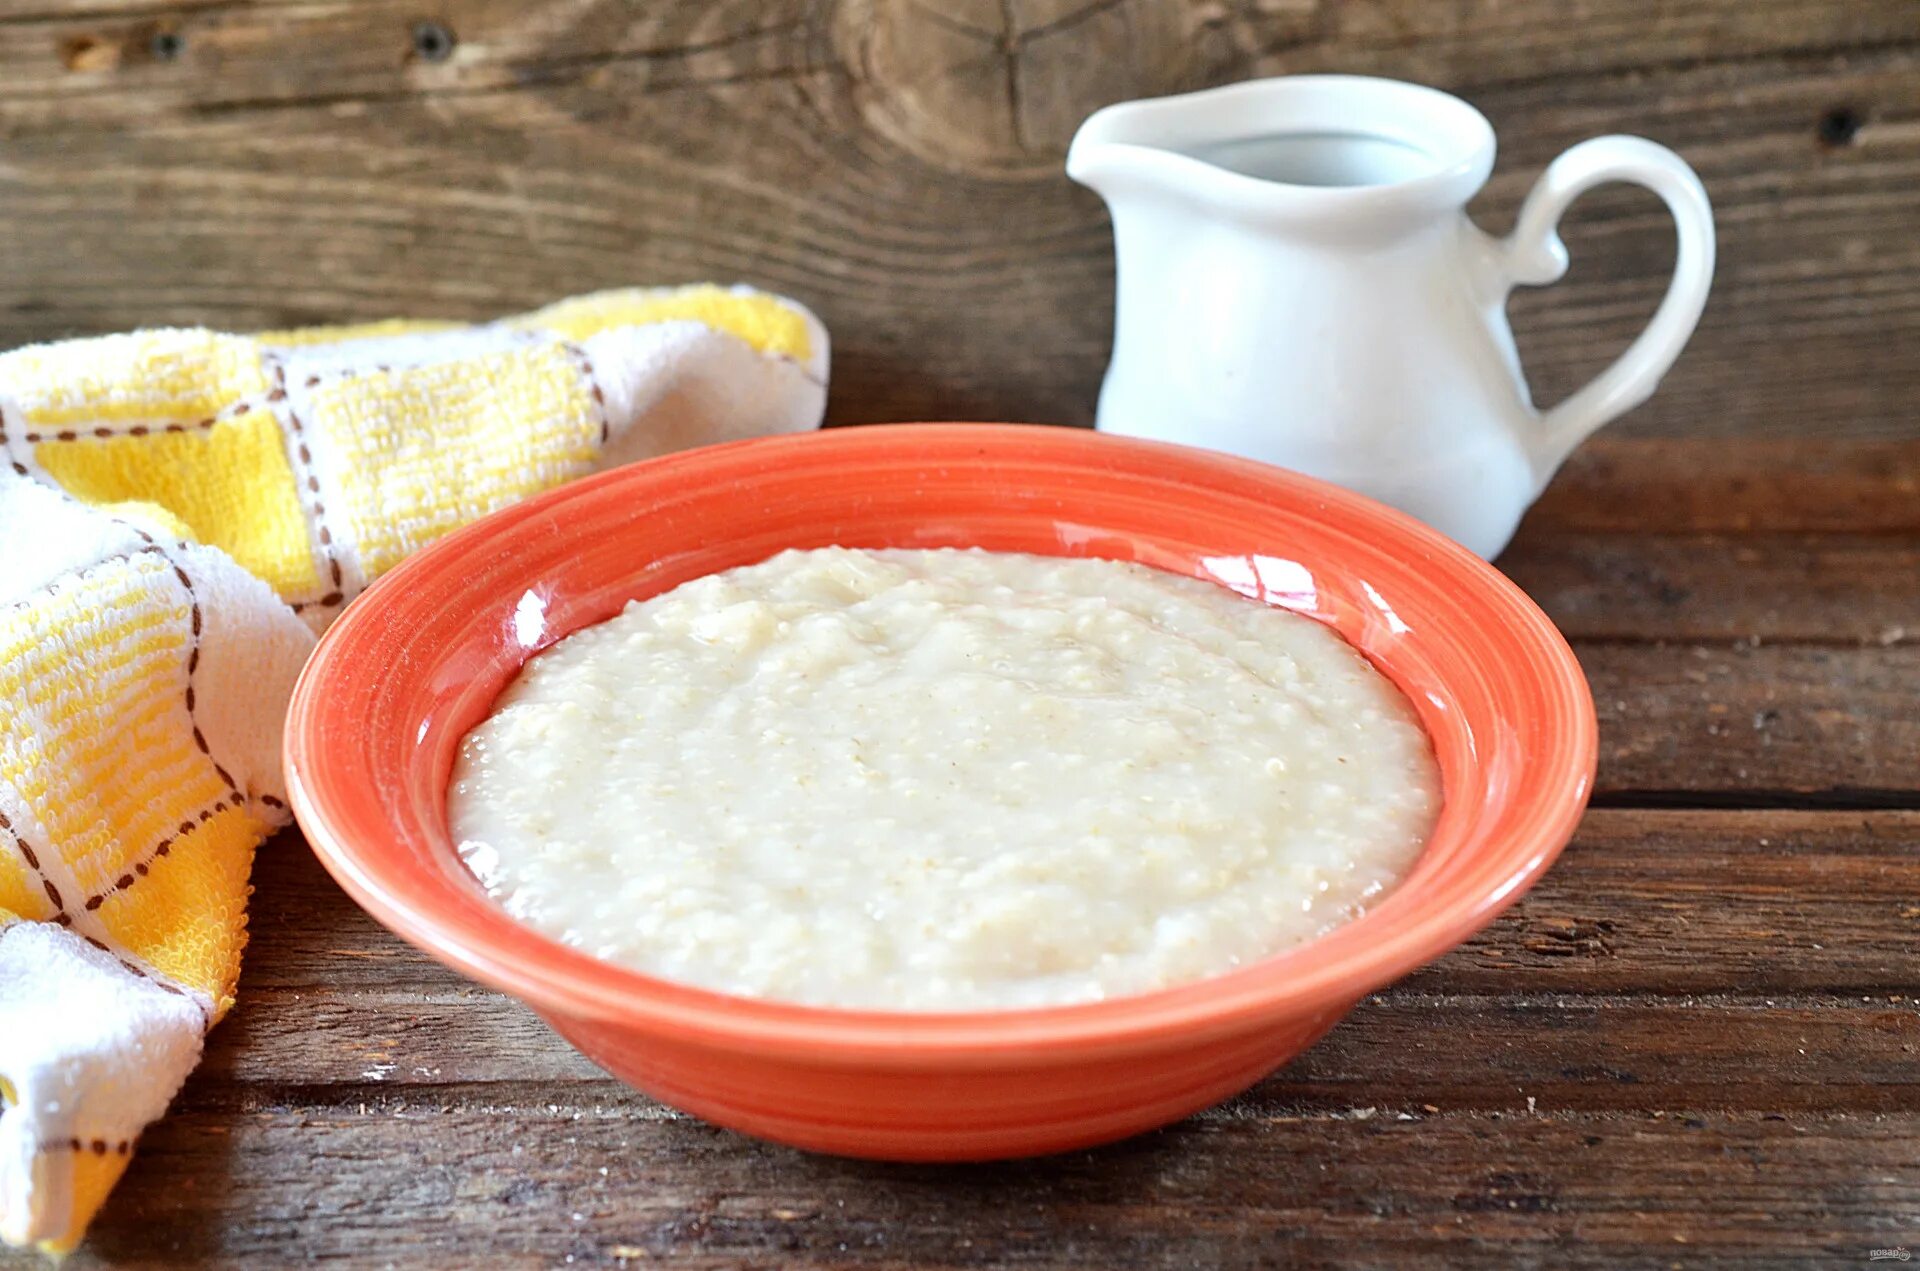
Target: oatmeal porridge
x,y
943,780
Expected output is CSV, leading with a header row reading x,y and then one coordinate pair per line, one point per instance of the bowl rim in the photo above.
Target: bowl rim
x,y
495,949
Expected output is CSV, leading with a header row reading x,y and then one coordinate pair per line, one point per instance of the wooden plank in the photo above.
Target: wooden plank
x,y
1763,903
1781,904
65,71
1754,722
1837,589
606,1184
323,1046
1654,485
98,56
298,162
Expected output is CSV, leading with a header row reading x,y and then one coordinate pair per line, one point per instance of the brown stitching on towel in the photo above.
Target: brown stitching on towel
x,y
118,558
198,624
142,867
297,431
158,981
327,601
99,1147
33,862
585,366
277,393
65,919
233,411
32,859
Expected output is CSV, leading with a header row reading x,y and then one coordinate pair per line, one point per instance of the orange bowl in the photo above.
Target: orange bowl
x,y
419,659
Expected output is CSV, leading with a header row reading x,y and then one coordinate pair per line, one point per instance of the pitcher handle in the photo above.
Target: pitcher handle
x,y
1534,255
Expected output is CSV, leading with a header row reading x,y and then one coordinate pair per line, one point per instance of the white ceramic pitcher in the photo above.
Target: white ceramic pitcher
x,y
1299,283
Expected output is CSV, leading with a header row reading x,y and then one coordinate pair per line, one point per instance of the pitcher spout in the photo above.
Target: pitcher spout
x,y
1118,147
1362,154
1134,147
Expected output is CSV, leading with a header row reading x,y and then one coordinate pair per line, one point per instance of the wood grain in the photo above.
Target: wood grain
x,y
896,164
1656,485
1774,905
1619,1055
1594,1053
1241,1188
1754,722
1845,589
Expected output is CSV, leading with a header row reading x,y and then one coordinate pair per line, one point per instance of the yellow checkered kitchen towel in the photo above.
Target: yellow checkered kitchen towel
x,y
181,512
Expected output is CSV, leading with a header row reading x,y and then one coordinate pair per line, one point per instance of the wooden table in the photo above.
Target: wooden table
x,y
1697,1043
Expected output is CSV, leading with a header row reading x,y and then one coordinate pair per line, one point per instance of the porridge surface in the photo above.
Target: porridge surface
x,y
928,780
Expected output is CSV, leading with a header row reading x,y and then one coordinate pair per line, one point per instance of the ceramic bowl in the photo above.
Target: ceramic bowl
x,y
418,660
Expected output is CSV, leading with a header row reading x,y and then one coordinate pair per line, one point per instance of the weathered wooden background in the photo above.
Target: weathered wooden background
x,y
896,164
1697,1044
